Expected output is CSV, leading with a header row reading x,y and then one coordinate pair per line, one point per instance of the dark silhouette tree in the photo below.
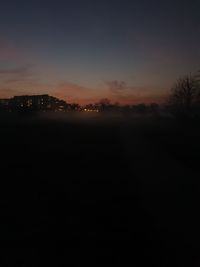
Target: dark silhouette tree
x,y
197,77
104,104
90,107
185,94
75,107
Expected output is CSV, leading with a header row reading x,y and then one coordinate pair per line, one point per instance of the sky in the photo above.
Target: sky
x,y
82,51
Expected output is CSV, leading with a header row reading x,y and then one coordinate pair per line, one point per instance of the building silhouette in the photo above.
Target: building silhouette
x,y
34,103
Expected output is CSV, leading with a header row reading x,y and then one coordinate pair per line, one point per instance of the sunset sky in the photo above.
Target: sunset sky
x,y
130,51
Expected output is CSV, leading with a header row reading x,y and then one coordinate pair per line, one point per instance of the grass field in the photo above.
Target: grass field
x,y
101,191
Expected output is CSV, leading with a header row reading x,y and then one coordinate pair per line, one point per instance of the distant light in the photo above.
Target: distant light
x,y
91,110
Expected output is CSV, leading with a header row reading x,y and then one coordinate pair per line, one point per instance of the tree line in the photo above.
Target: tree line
x,y
183,100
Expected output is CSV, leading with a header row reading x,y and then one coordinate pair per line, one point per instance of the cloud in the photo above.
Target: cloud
x,y
10,91
20,81
117,87
83,96
116,91
121,88
120,91
16,80
20,71
71,92
17,76
136,99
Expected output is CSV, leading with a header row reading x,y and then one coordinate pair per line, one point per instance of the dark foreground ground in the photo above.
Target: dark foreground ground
x,y
99,192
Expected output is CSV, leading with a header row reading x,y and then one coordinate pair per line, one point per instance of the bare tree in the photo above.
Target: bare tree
x,y
184,94
197,77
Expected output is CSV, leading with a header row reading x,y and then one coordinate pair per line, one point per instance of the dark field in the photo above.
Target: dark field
x,y
100,191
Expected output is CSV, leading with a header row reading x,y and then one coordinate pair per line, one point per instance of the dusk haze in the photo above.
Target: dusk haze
x,y
74,49
100,133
